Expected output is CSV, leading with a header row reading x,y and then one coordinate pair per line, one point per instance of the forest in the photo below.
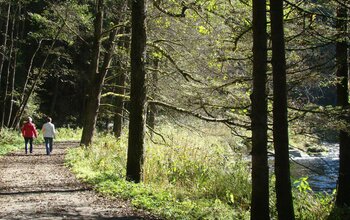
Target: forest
x,y
191,108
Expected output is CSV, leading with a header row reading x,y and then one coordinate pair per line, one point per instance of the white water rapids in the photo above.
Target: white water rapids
x,y
321,170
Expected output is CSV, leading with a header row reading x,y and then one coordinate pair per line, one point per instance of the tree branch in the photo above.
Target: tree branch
x,y
156,4
197,115
187,76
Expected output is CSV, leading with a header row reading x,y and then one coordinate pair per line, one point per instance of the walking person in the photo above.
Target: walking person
x,y
29,132
49,131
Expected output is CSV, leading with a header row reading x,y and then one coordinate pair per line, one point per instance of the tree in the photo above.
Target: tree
x,y
95,79
97,74
260,170
135,156
280,119
342,72
10,59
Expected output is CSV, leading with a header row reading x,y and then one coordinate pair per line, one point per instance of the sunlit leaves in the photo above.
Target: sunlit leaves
x,y
203,30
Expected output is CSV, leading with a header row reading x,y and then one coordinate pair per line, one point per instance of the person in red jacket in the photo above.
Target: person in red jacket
x,y
29,132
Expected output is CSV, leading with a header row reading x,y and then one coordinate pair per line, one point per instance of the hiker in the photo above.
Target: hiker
x,y
29,132
49,131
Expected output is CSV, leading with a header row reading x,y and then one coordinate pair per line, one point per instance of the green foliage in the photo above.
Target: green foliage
x,y
302,185
192,176
183,180
308,204
9,140
68,134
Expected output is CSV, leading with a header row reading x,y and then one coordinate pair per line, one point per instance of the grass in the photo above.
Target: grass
x,y
10,140
68,134
188,177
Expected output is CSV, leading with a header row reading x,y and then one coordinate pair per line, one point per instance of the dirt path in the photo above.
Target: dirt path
x,y
38,186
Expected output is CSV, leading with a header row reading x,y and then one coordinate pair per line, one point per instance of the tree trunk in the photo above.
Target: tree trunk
x,y
6,101
260,170
93,99
4,43
2,60
280,119
12,90
135,156
15,40
343,191
97,77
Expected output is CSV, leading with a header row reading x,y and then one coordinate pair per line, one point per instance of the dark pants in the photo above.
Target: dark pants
x,y
30,141
48,144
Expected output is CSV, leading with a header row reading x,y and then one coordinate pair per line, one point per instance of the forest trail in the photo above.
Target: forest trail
x,y
37,186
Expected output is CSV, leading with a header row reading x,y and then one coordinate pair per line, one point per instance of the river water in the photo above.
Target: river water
x,y
321,170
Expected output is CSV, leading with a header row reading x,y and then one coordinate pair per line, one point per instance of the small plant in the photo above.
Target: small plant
x,y
308,204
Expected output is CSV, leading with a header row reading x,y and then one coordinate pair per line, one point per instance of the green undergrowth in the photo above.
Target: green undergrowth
x,y
67,134
192,175
10,140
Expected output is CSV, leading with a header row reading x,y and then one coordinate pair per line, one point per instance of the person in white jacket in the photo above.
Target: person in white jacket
x,y
49,132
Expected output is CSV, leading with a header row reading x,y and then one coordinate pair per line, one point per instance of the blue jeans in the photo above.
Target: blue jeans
x,y
48,144
30,141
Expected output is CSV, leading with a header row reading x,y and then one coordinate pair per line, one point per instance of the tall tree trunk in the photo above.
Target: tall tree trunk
x,y
8,74
260,170
2,59
343,191
14,65
12,89
4,43
92,104
97,77
280,119
135,156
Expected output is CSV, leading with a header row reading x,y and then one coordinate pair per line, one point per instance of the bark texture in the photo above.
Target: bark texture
x,y
138,93
260,172
285,208
343,191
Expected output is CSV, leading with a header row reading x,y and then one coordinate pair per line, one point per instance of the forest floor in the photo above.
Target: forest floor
x,y
37,186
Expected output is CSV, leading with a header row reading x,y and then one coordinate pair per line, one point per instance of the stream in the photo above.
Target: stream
x,y
321,170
